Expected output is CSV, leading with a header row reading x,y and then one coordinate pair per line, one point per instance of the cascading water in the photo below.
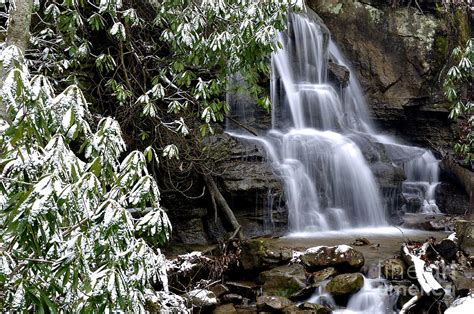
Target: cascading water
x,y
375,297
328,183
422,180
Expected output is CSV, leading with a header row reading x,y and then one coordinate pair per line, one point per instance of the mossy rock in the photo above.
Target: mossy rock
x,y
345,284
394,268
284,280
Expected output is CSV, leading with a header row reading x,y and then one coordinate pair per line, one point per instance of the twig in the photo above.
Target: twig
x,y
246,128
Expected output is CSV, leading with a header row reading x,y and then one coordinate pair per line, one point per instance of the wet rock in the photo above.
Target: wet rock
x,y
345,284
252,188
361,242
413,203
338,74
246,289
394,268
425,221
201,298
225,309
324,274
397,54
219,290
272,303
465,234
232,298
304,293
258,254
447,249
462,284
387,175
314,308
451,198
284,280
341,257
189,231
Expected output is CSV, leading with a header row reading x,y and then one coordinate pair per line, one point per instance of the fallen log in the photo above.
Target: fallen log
x,y
424,274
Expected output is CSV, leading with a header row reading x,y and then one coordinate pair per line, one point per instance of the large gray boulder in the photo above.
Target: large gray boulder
x,y
272,303
260,254
284,280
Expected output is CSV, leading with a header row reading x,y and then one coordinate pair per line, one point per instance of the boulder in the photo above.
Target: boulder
x,y
259,254
465,234
447,249
452,199
341,257
189,231
314,308
245,289
462,284
284,280
345,284
394,268
361,242
187,269
225,309
324,274
272,303
304,293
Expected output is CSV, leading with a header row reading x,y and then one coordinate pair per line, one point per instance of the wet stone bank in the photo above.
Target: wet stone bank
x,y
388,272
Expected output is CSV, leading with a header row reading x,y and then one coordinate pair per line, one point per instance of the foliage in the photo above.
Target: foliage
x,y
458,90
167,61
67,241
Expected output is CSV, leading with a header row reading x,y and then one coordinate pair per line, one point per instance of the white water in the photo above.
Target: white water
x,y
328,184
374,298
422,180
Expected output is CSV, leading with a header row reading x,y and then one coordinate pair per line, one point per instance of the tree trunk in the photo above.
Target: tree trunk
x,y
19,21
222,204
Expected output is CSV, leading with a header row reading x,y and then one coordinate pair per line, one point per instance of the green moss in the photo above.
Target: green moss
x,y
286,292
440,48
462,26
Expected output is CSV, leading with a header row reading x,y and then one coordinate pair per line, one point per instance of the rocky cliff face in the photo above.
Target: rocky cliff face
x,y
398,53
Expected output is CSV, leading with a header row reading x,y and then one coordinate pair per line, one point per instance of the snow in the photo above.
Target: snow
x,y
424,275
462,306
453,237
296,256
315,249
202,297
343,248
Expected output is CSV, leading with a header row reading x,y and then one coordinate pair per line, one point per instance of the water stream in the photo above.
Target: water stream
x,y
313,140
375,297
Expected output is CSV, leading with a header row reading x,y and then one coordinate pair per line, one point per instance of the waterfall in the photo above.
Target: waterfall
x,y
422,180
375,297
328,183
